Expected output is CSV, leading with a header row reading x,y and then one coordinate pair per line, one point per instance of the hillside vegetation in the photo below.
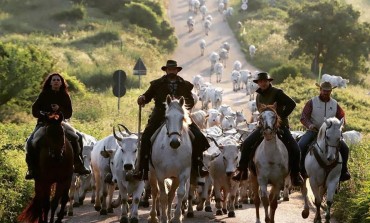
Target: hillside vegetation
x,y
88,42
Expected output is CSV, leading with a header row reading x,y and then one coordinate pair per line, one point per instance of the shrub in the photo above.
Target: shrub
x,y
281,73
100,38
78,12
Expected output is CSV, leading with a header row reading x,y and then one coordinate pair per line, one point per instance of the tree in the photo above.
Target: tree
x,y
330,30
22,68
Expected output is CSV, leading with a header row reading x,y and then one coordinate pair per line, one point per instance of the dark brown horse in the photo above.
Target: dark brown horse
x,y
55,166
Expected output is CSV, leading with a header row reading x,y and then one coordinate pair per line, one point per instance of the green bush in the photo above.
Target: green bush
x,y
100,38
78,12
281,73
147,19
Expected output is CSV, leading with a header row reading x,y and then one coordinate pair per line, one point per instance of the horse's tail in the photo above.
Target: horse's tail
x,y
31,213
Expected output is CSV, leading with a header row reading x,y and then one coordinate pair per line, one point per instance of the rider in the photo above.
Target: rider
x,y
267,94
54,97
314,112
174,85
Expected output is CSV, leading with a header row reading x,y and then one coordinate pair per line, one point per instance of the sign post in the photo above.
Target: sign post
x,y
119,89
139,69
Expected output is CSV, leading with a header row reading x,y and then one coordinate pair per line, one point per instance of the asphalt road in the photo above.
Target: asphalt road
x,y
189,57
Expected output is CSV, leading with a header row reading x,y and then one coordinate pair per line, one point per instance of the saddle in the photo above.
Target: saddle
x,y
68,129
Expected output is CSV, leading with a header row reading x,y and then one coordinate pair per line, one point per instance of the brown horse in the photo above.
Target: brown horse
x,y
55,166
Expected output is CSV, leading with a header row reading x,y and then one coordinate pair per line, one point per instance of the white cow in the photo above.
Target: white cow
x,y
216,98
239,117
221,170
335,81
226,110
205,96
245,76
203,11
237,65
213,58
123,163
214,117
250,89
207,26
227,13
209,17
225,45
224,55
228,123
252,51
101,167
352,137
199,118
190,22
219,69
198,81
202,45
235,80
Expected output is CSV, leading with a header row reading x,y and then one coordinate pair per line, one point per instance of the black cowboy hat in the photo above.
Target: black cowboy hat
x,y
171,63
262,76
325,86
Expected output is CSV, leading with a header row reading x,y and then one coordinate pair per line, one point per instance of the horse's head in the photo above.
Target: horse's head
x,y
54,135
177,118
329,137
269,120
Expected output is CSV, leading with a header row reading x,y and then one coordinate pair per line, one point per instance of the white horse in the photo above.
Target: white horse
x,y
171,158
271,162
323,165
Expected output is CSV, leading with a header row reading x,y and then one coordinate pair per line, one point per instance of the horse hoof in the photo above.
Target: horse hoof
x,y
110,210
124,220
305,213
190,215
236,206
218,212
231,214
224,210
97,208
286,199
103,212
134,220
70,213
208,209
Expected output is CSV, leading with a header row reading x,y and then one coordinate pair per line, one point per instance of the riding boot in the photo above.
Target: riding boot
x,y
303,156
31,161
344,151
141,173
79,167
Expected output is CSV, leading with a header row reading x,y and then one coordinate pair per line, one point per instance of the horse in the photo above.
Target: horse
x,y
271,164
171,158
55,167
323,166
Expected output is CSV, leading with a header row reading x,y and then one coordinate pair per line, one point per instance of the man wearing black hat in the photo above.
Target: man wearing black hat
x,y
174,85
314,112
267,94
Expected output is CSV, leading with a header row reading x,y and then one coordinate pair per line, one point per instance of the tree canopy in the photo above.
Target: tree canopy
x,y
330,33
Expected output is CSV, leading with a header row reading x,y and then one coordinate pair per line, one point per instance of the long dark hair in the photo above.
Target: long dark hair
x,y
46,85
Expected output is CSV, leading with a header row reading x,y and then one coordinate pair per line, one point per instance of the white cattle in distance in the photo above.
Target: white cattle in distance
x,y
199,118
221,7
216,98
235,80
195,97
123,163
206,94
239,117
190,22
203,11
209,17
225,45
207,26
196,7
224,55
252,106
226,110
250,89
214,117
202,45
198,82
352,137
245,76
237,65
214,57
219,70
252,51
335,81
227,13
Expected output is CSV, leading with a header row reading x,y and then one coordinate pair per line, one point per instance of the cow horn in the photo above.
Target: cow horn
x,y
211,138
115,135
126,129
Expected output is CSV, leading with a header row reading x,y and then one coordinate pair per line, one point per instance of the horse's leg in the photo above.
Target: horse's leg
x,y
181,191
256,199
332,185
317,218
171,196
63,201
71,194
163,197
273,197
306,210
191,194
265,200
316,192
154,190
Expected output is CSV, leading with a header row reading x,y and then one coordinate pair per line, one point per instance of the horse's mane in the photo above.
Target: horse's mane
x,y
264,107
182,108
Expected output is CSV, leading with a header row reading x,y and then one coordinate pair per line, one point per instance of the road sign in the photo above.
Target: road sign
x,y
119,76
139,68
119,91
119,79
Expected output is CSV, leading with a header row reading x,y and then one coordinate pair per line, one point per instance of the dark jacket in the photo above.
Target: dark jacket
x,y
46,98
159,89
285,104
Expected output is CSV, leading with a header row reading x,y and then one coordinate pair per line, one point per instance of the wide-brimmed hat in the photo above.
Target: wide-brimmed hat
x,y
325,86
263,76
171,63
